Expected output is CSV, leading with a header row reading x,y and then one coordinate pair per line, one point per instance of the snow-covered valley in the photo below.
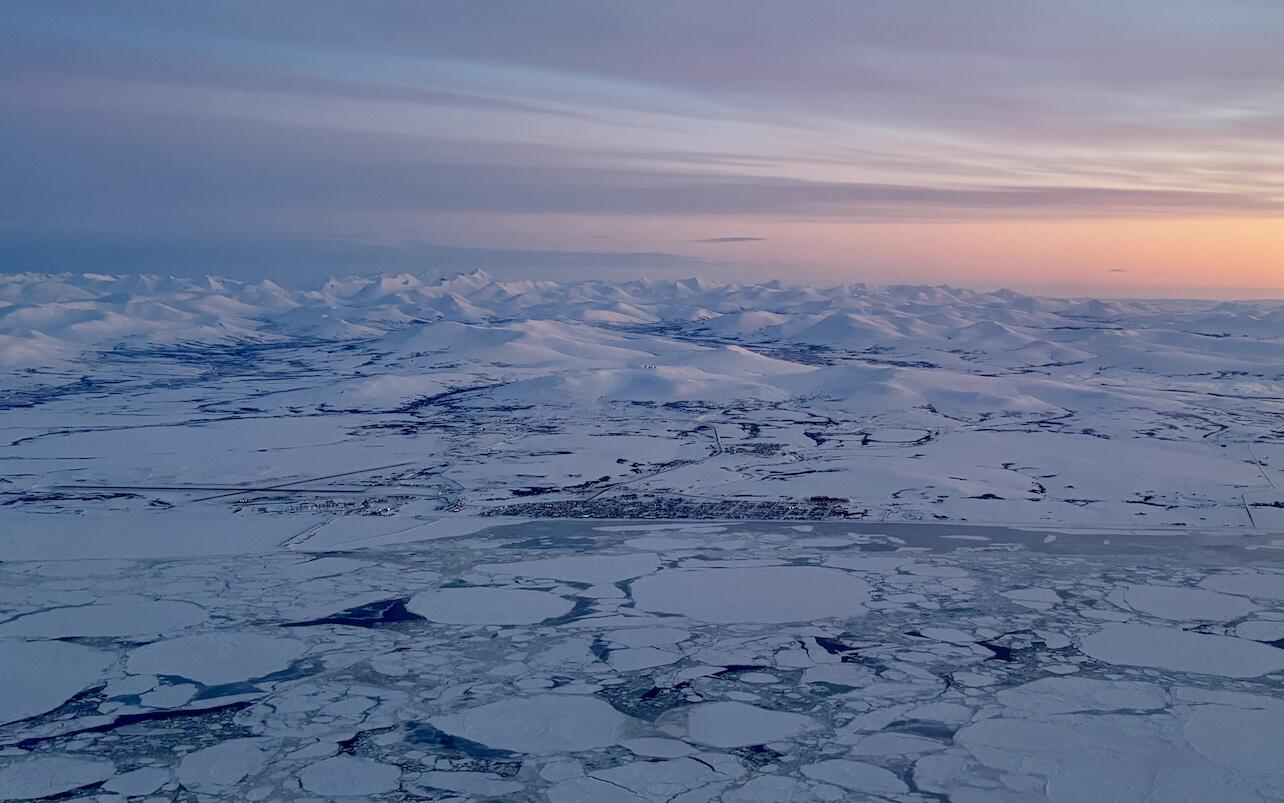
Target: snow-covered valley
x,y
426,538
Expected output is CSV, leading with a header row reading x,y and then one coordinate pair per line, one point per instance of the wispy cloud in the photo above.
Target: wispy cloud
x,y
290,118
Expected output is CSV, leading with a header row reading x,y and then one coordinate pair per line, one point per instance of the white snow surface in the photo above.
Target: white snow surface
x,y
753,594
1183,651
484,606
217,658
548,723
37,676
901,402
435,537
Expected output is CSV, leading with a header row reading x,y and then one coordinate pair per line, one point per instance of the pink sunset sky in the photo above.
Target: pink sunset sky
x,y
1093,148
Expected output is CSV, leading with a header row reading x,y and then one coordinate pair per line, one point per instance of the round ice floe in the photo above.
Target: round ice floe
x,y
1081,757
734,724
1260,630
39,676
488,606
220,766
1064,695
632,659
753,594
856,776
1037,598
110,619
48,775
1187,604
1262,586
1182,651
216,658
349,776
1243,740
547,723
647,636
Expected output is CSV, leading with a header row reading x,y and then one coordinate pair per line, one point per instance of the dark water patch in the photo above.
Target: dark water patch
x,y
917,727
731,670
134,719
643,700
1001,653
757,755
832,646
304,668
374,614
440,742
583,606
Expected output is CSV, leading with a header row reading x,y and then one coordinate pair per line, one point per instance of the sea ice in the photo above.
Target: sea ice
x,y
753,594
736,724
1080,758
856,776
349,776
1260,630
1246,741
547,723
1039,599
657,747
107,619
634,658
471,783
142,781
1063,695
216,658
482,605
215,768
648,636
46,776
1182,651
1186,604
1262,586
592,569
659,780
38,676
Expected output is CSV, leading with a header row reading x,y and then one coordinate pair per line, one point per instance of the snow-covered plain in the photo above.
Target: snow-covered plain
x,y
415,537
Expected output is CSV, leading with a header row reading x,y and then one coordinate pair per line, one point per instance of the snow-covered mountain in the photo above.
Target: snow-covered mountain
x,y
908,401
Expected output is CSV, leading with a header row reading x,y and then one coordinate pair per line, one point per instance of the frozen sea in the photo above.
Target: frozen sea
x,y
577,660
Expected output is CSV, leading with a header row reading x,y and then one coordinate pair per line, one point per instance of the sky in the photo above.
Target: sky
x,y
1086,148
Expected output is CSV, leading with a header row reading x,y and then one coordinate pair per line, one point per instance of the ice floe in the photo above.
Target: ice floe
x,y
1183,651
44,776
1186,604
349,776
753,594
488,606
735,724
220,766
37,676
217,658
547,723
107,619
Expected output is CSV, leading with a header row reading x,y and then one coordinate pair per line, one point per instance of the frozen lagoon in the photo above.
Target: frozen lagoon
x,y
596,660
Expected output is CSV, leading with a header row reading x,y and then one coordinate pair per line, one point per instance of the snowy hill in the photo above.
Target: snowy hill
x,y
982,406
